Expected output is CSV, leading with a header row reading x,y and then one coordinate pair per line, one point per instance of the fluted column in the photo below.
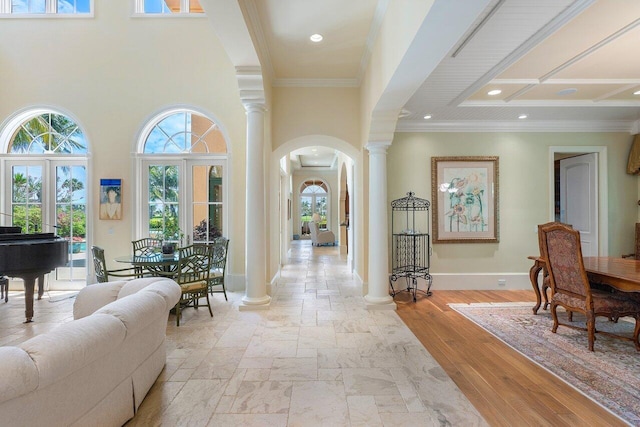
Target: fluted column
x,y
255,241
378,290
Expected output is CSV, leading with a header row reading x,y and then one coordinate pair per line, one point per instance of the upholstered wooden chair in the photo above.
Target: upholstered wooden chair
x,y
192,275
571,288
100,267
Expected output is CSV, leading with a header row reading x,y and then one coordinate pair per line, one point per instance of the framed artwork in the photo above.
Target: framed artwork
x,y
465,193
110,199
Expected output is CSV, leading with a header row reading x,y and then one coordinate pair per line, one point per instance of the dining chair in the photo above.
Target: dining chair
x,y
218,265
100,267
571,288
146,246
194,265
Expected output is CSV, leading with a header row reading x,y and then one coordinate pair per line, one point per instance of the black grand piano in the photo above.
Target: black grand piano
x,y
30,257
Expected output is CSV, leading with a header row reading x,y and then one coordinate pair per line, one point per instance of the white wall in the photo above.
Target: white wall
x,y
111,73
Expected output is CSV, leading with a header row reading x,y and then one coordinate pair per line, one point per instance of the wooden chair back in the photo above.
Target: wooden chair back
x,y
561,245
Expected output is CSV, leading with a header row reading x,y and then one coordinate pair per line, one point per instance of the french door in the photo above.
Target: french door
x,y
51,196
185,200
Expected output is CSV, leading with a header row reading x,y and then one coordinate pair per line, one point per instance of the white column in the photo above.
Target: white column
x,y
255,218
378,290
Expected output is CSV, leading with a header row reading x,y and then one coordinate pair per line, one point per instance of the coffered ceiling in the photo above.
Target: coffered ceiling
x,y
564,64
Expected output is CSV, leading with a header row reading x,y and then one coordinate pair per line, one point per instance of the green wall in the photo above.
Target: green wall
x,y
524,164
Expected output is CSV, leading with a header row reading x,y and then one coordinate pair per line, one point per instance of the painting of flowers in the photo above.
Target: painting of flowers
x,y
465,190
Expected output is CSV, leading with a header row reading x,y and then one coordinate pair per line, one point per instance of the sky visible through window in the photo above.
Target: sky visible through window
x,y
38,6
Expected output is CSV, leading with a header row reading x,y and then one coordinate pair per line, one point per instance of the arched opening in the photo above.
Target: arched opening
x,y
344,168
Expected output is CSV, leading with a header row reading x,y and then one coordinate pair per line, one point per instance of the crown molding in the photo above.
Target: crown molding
x,y
519,126
551,103
374,30
316,83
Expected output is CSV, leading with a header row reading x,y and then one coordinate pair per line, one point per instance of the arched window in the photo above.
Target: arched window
x,y
168,6
314,198
183,170
47,182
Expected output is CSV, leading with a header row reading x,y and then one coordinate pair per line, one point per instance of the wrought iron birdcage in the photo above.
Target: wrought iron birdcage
x,y
411,244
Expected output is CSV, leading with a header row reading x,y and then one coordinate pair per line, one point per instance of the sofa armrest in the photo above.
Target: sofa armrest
x,y
95,296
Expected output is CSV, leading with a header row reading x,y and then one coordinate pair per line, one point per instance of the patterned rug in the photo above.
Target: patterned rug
x,y
610,375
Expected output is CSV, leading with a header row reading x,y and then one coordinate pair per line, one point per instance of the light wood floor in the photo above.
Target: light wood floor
x,y
506,387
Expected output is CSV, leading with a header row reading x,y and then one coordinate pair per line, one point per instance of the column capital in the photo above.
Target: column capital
x,y
254,106
378,147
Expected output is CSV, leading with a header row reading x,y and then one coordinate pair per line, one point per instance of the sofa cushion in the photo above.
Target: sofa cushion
x,y
133,286
18,372
137,311
70,346
94,296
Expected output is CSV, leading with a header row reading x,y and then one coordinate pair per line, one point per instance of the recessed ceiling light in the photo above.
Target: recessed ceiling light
x,y
314,149
494,92
316,38
636,92
567,91
522,116
427,117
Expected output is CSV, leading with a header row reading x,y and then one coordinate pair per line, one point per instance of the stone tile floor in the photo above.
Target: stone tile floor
x,y
317,357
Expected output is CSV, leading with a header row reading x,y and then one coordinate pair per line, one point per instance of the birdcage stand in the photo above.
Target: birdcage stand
x,y
411,245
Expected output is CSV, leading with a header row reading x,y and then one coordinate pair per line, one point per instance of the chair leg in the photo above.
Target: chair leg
x,y
206,294
178,312
224,291
636,332
554,315
591,329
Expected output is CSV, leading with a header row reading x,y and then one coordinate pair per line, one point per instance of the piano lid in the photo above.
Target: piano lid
x,y
10,230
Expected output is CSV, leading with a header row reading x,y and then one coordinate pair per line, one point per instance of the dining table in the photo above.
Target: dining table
x,y
158,264
622,274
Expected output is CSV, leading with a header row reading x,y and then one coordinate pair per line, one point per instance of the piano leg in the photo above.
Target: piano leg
x,y
40,286
29,286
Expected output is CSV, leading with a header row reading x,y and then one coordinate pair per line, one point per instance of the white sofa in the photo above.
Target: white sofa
x,y
96,369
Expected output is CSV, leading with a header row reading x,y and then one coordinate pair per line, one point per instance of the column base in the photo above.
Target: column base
x,y
379,303
253,304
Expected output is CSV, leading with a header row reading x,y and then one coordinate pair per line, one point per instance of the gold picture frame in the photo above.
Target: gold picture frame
x,y
465,195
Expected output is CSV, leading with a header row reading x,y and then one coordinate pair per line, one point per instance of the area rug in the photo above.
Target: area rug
x,y
610,375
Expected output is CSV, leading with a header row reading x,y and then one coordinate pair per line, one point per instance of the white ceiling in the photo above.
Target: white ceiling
x,y
530,49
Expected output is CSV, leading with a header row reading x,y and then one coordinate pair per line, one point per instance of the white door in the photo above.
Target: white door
x,y
579,198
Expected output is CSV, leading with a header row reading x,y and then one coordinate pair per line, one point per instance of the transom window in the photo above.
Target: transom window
x,y
168,7
185,132
48,133
43,7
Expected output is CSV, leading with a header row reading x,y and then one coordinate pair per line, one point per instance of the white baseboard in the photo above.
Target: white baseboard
x,y
480,281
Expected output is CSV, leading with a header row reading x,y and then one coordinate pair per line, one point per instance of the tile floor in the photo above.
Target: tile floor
x,y
317,357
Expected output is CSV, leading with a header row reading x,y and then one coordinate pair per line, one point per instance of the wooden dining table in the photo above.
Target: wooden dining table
x,y
622,274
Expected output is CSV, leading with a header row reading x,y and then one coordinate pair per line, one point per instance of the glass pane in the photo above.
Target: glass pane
x,y
52,133
215,184
199,183
171,184
73,6
200,223
156,184
155,6
194,7
28,6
